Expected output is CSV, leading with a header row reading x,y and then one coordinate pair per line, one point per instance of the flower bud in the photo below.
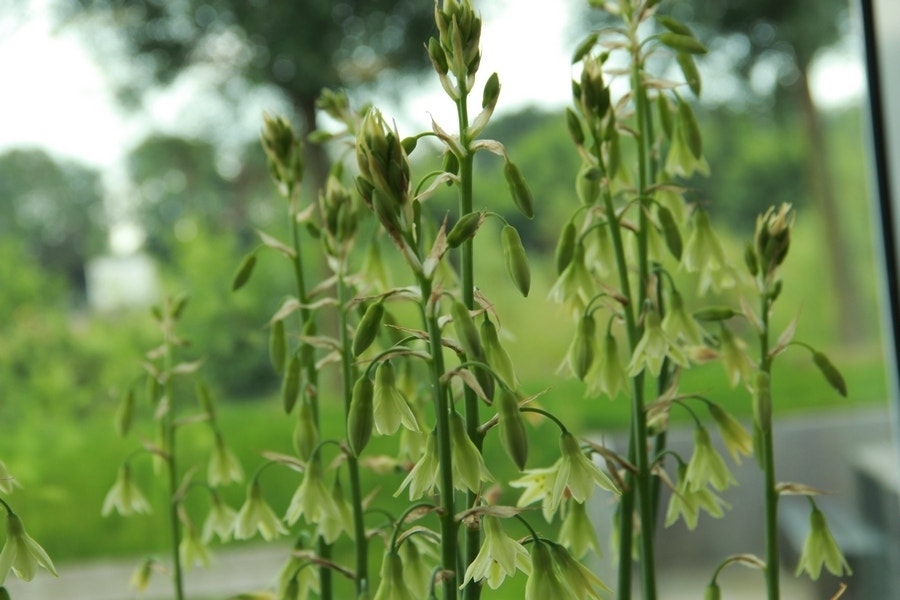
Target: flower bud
x,y
832,375
306,435
512,427
712,592
491,92
750,259
465,229
496,355
574,125
519,190
361,416
242,275
516,259
670,230
565,247
466,330
581,356
368,327
125,413
437,56
291,385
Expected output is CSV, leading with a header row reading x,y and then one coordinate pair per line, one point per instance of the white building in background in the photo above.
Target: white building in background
x,y
121,282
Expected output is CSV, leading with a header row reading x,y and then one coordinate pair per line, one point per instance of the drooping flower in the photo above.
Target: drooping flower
x,y
21,553
706,466
654,347
418,564
125,497
393,585
737,440
338,518
256,515
678,324
390,406
468,465
608,374
312,500
499,557
703,254
140,577
583,583
577,472
423,477
573,286
538,485
219,521
545,581
224,466
577,533
821,549
734,357
297,576
687,503
192,550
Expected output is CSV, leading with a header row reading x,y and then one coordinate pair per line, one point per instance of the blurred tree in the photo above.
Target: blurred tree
x,y
298,48
180,189
783,38
55,209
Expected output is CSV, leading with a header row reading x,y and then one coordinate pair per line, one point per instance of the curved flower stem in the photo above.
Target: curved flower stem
x,y
356,499
323,548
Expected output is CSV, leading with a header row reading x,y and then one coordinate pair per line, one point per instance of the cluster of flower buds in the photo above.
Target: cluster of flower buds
x,y
771,242
457,50
283,151
339,216
383,182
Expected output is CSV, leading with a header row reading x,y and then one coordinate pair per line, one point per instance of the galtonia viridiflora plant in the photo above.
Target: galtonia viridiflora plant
x,y
620,261
20,553
420,361
172,404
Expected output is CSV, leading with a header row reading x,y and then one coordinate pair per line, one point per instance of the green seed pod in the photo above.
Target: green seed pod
x,y
451,164
582,356
750,259
306,436
715,313
244,270
290,386
762,402
521,195
776,290
674,25
832,375
565,247
512,427
689,70
574,125
368,327
665,114
466,331
491,91
516,259
682,43
361,416
277,345
584,47
690,128
125,413
465,229
496,355
670,231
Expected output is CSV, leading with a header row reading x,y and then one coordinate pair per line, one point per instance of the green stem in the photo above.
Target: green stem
x,y
323,548
472,591
442,425
772,561
356,499
172,473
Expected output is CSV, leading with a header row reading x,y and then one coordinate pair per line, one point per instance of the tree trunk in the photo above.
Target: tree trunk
x,y
317,162
845,288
